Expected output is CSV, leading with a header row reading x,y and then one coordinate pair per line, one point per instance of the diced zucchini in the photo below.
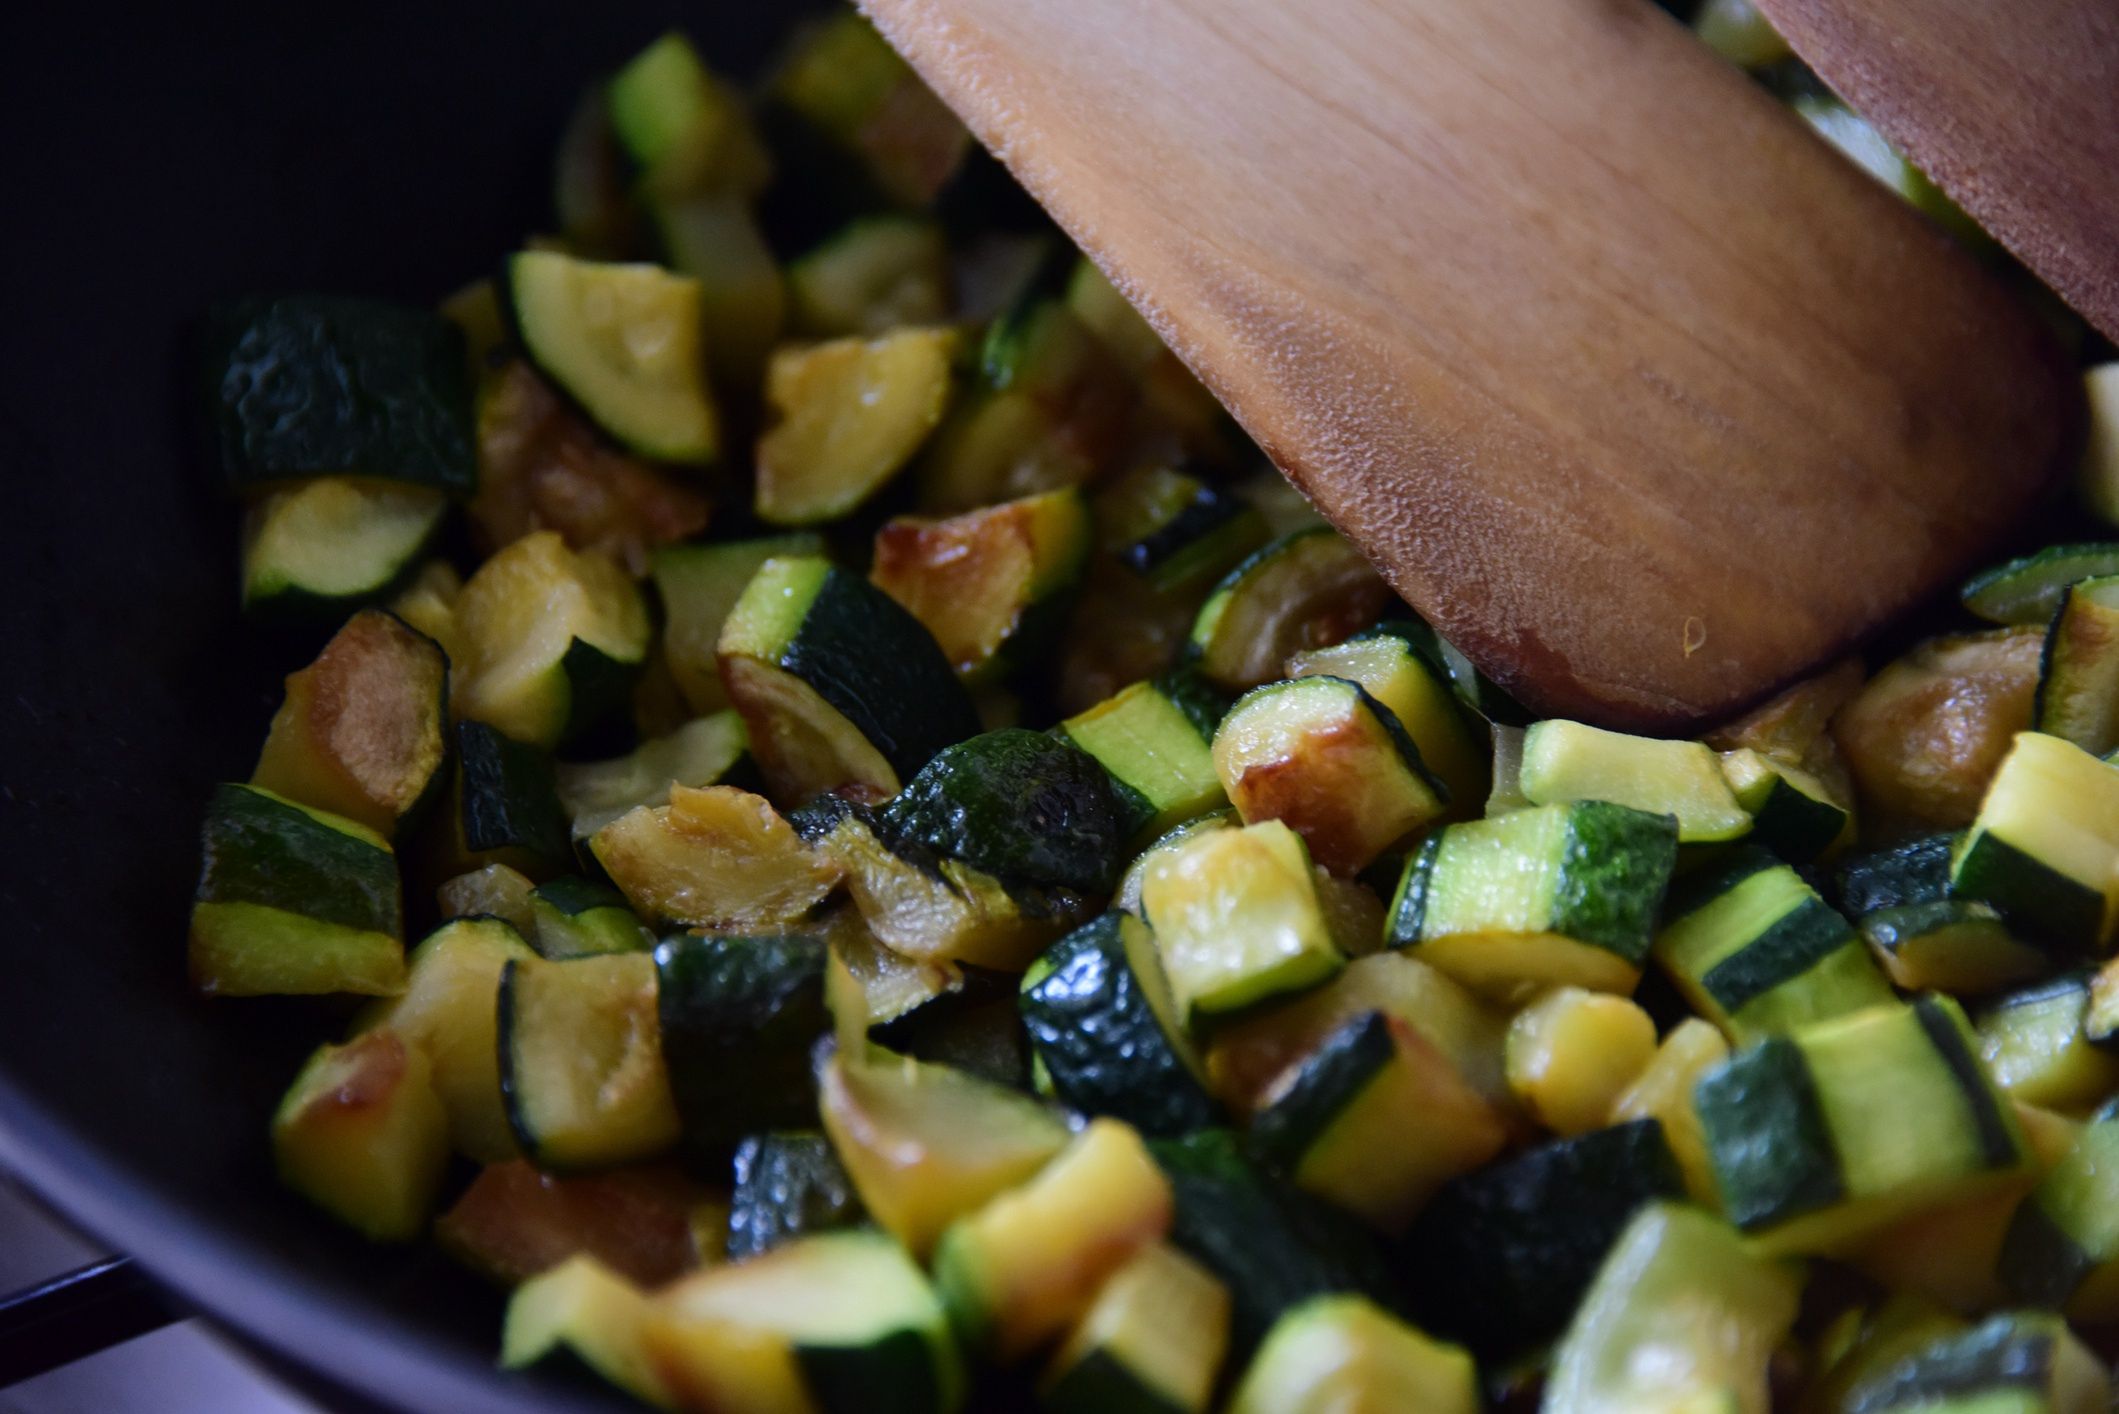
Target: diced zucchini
x,y
1173,529
1272,1245
877,273
648,1223
2036,1047
992,585
681,125
739,1018
941,910
788,1185
838,685
1502,1256
1564,761
849,413
1861,1342
582,1312
699,753
1151,1342
1792,812
550,640
428,604
581,1069
717,857
1128,895
2078,682
1153,740
623,341
2062,1249
447,1011
1026,1266
1683,1317
1830,1133
851,89
292,900
493,889
1756,951
571,917
362,1135
323,546
2029,590
1321,756
1107,1032
1948,946
927,1144
1020,805
1573,1053
1375,1120
871,986
1925,736
1237,920
2016,1362
1904,875
2045,848
1563,894
698,585
1246,1055
1415,689
1344,1353
359,732
1663,1091
319,385
838,1323
1307,589
502,806
713,237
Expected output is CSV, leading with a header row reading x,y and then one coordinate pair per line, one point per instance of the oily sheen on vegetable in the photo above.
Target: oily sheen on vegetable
x,y
889,864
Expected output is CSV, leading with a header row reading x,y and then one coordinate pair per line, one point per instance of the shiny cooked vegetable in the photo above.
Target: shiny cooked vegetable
x,y
889,864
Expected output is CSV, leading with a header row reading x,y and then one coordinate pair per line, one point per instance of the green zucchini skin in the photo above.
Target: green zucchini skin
x,y
577,918
260,849
1020,805
1912,873
315,385
1503,1254
1272,1245
510,797
2044,905
1102,1045
788,1184
739,1019
1330,1078
1774,1156
2013,1352
2028,590
1100,1383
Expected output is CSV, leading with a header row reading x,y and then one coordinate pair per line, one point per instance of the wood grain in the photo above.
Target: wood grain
x,y
1643,395
2012,106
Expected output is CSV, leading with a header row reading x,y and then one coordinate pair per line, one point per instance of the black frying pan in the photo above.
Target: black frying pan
x,y
149,164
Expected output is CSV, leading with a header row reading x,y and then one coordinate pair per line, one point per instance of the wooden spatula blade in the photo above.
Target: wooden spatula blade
x,y
1644,396
2012,108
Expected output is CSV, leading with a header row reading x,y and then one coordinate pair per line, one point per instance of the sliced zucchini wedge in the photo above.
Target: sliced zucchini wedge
x,y
698,585
293,900
2062,1248
623,341
848,415
320,385
715,857
1565,761
697,754
583,1314
875,274
493,889
1174,530
992,585
362,1135
838,685
1324,758
502,807
2078,678
684,128
1305,590
1756,951
1793,813
739,1018
2015,1360
581,1068
1683,1316
324,546
1155,738
1951,946
1663,1091
1107,1031
1344,1352
1237,919
1392,668
359,732
787,1185
550,640
1151,1343
2036,1045
1562,894
1825,1135
571,917
2028,590
2045,848
1572,1053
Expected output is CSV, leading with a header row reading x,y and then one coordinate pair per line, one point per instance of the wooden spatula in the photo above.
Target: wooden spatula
x,y
2012,106
1642,394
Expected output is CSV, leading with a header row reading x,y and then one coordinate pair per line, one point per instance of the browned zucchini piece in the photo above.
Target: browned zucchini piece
x,y
713,857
